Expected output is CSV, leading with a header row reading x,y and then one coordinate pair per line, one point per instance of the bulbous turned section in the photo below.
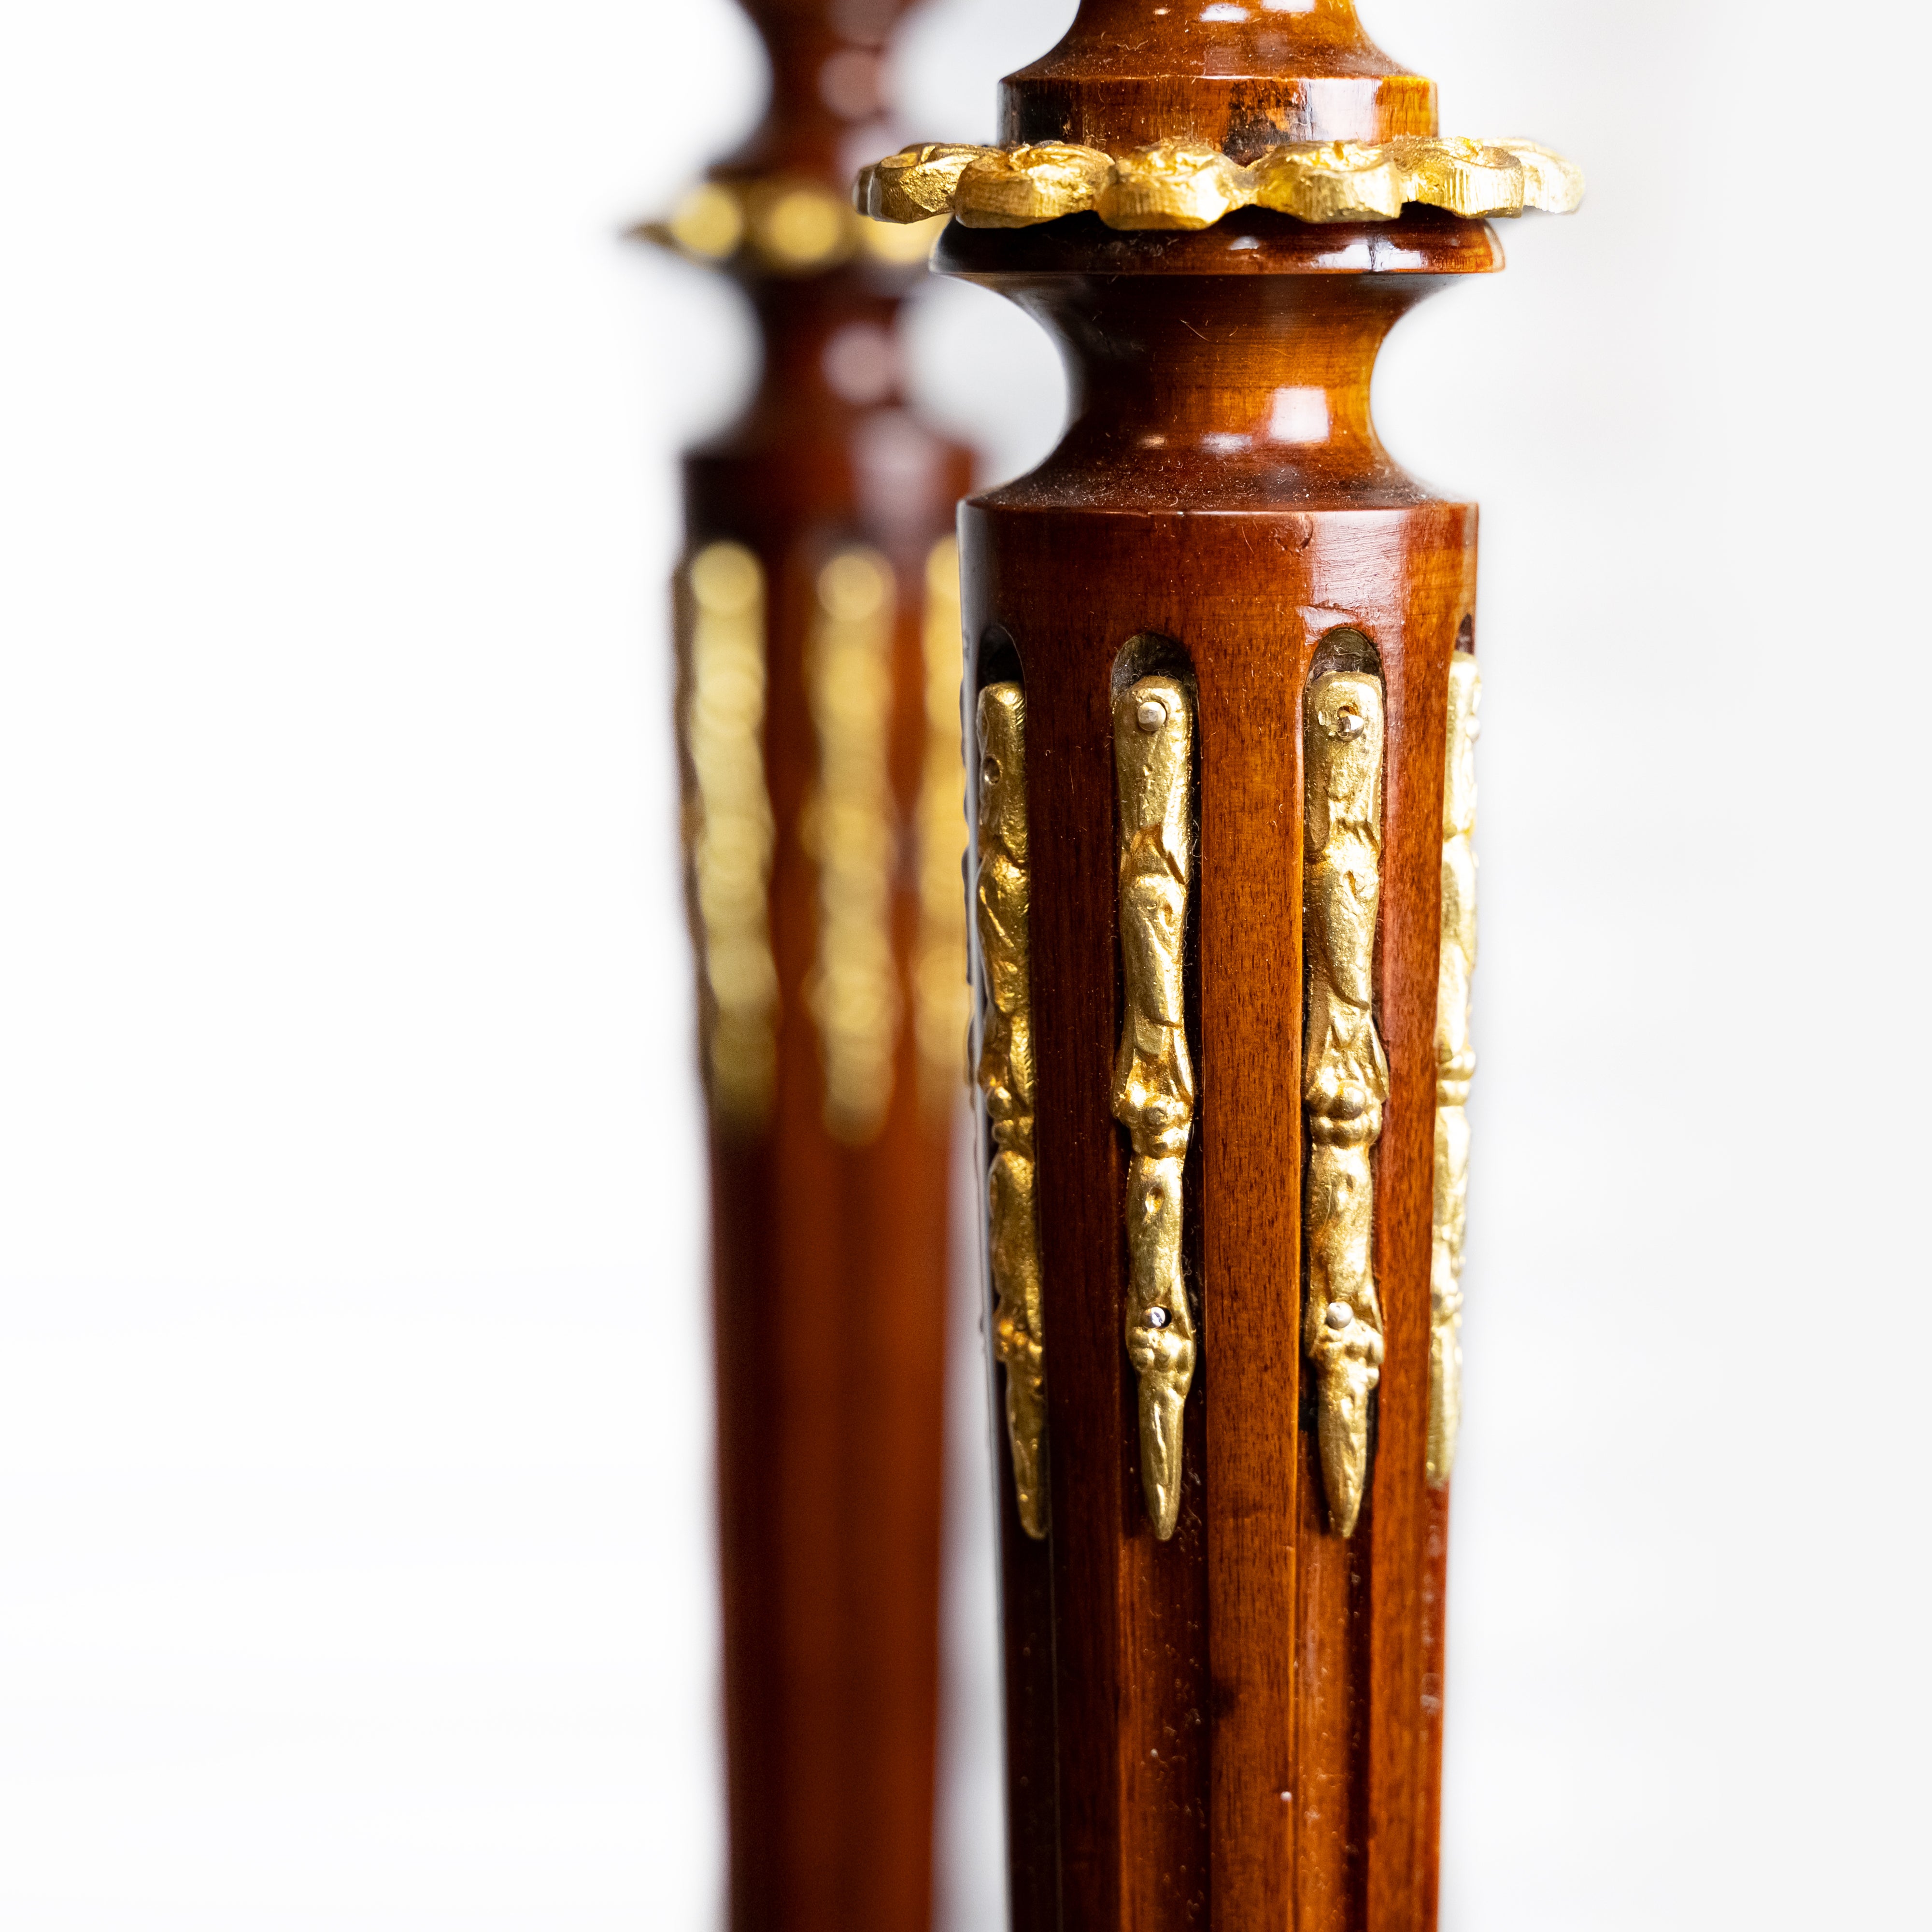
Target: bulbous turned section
x,y
1132,72
830,64
1228,369
829,434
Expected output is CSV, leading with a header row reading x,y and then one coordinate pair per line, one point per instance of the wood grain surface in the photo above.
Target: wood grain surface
x,y
829,1261
1130,72
1246,1722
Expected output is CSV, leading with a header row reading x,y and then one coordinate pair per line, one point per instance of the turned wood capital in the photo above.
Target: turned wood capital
x,y
1161,117
1229,367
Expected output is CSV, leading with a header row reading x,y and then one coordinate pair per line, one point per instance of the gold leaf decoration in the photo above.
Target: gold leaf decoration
x,y
1185,184
1002,898
1455,1067
1345,1074
1154,1075
728,829
850,829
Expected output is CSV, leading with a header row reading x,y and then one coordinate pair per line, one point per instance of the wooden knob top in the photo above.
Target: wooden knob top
x,y
1242,76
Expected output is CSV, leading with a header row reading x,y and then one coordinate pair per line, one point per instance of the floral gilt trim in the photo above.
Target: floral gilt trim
x,y
1185,184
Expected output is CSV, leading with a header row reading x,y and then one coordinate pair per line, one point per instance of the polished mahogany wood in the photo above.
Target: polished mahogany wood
x,y
830,1260
1130,72
1244,1727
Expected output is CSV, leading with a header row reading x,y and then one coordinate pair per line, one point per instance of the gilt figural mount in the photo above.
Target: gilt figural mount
x,y
1154,1076
1455,1066
1005,1083
1346,1083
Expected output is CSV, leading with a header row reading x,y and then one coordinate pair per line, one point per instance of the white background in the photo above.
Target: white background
x,y
355,1547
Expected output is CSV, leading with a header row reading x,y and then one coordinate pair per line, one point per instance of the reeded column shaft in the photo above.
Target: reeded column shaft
x,y
818,713
1236,1726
